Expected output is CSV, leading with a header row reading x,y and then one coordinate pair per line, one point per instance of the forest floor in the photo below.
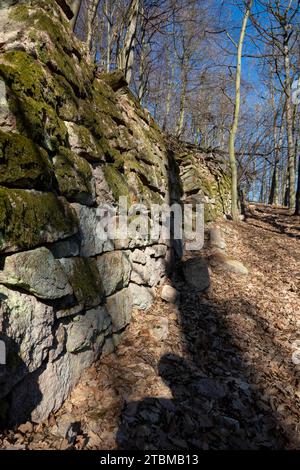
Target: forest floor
x,y
213,372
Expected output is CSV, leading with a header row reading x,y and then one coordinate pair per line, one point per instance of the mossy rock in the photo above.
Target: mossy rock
x,y
84,278
23,164
115,80
74,177
39,122
61,52
31,218
91,119
116,182
66,99
19,12
206,179
143,194
25,76
149,174
32,99
83,143
111,155
106,105
101,88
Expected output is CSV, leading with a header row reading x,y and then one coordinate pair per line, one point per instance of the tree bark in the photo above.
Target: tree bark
x,y
182,102
289,123
109,38
297,209
91,16
233,130
169,95
126,55
274,191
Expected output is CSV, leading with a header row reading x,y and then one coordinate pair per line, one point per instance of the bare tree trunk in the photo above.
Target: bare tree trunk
x,y
286,190
297,208
274,191
169,96
126,55
289,123
143,75
233,130
91,16
263,183
109,38
182,102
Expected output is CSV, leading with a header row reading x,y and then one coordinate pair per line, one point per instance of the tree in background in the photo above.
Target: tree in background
x,y
234,128
182,68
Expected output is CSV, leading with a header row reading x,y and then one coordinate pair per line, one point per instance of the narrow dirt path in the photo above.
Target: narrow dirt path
x,y
215,372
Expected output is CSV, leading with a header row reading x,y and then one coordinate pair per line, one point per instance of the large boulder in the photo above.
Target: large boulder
x,y
31,218
44,391
26,328
78,345
37,272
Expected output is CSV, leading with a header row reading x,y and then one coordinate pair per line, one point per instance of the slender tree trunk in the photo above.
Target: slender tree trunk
x,y
263,183
274,192
126,55
91,16
286,190
182,102
289,123
108,33
297,210
233,130
143,79
169,96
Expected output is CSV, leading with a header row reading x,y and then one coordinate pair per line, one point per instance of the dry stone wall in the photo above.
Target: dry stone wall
x,y
71,140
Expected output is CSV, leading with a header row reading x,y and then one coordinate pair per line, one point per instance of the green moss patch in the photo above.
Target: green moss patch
x,y
23,164
39,121
74,177
85,280
58,53
19,13
24,75
31,218
116,182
